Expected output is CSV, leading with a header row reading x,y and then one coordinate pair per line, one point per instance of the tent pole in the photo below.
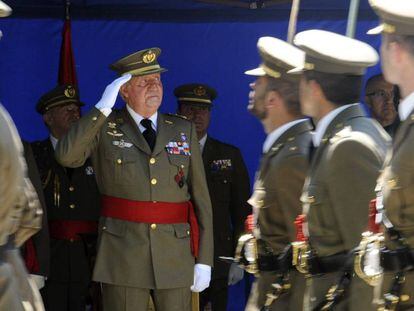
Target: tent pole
x,y
292,20
352,18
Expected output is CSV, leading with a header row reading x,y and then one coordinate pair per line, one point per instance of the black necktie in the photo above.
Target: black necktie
x,y
149,133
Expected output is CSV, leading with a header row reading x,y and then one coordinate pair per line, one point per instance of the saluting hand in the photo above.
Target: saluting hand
x,y
111,92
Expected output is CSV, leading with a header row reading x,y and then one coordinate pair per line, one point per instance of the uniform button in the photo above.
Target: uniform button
x,y
103,228
71,188
71,240
392,183
72,206
152,160
119,161
188,232
153,181
153,226
94,118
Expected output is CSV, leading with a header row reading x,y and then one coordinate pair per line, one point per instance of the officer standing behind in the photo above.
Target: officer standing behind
x,y
274,100
350,152
396,182
73,205
156,229
379,97
229,188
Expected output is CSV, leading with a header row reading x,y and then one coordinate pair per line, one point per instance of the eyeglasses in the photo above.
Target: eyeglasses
x,y
382,94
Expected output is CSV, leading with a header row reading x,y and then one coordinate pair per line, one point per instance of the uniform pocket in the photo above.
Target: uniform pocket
x,y
114,227
182,231
123,166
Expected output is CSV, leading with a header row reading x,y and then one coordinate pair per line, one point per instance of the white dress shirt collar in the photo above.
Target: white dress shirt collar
x,y
276,133
54,141
202,142
323,124
406,106
137,118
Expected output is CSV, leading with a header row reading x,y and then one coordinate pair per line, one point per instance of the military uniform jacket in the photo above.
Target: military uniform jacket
x,y
40,240
137,254
397,185
229,188
341,181
278,186
70,194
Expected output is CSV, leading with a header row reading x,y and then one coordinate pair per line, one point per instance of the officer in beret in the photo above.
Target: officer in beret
x,y
73,206
351,149
395,187
156,233
229,188
274,101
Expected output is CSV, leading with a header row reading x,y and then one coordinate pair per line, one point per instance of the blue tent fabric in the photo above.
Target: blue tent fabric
x,y
215,53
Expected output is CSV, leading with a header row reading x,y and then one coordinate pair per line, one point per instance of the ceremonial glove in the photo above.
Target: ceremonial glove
x,y
111,92
202,277
236,274
39,280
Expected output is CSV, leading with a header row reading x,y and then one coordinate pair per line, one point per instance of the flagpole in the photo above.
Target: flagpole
x,y
293,20
67,11
352,18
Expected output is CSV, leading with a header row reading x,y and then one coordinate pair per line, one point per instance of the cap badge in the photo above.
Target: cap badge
x,y
149,57
387,28
199,91
70,92
309,66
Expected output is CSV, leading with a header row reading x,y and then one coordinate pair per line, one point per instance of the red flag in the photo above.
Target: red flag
x,y
67,71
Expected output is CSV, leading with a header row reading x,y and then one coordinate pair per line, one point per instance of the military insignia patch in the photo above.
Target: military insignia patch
x,y
121,143
115,134
221,165
89,170
183,136
200,91
149,57
178,147
70,92
112,125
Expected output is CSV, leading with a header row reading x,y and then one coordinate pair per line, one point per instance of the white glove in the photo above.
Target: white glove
x,y
202,277
39,280
111,93
236,274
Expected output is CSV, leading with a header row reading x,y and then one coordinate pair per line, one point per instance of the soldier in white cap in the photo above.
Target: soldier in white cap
x,y
395,187
274,100
350,152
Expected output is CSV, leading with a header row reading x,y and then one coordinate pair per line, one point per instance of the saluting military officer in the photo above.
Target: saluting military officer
x,y
73,205
274,100
229,188
350,153
396,182
156,228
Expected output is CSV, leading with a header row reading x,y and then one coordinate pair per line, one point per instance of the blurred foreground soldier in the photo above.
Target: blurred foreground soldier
x,y
395,199
156,228
379,96
350,152
229,188
274,100
73,206
19,220
20,216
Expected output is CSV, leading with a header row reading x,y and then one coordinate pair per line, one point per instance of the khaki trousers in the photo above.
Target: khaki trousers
x,y
120,298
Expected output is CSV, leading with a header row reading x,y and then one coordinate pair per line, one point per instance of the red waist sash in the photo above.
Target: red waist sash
x,y
153,212
70,229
